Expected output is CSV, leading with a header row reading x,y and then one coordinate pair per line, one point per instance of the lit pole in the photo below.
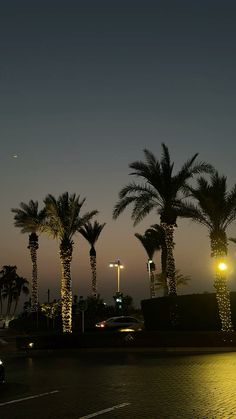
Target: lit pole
x,y
119,266
151,268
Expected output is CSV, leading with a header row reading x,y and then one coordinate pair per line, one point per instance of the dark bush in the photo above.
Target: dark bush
x,y
195,312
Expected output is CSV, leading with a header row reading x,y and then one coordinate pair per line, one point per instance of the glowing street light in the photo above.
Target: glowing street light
x,y
222,266
119,266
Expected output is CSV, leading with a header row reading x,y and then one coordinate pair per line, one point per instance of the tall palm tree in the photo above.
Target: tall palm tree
x,y
150,245
162,191
62,221
91,233
29,218
215,209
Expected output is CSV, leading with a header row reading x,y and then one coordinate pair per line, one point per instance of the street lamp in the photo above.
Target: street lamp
x,y
151,268
119,266
222,266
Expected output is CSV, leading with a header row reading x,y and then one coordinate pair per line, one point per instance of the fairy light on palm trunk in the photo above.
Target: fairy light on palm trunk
x,y
222,292
170,266
33,247
66,289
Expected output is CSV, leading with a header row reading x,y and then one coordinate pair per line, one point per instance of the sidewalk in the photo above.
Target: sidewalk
x,y
13,343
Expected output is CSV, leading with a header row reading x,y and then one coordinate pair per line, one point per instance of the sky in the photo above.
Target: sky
x,y
85,86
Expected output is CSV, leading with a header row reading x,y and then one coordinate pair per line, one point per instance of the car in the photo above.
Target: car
x,y
121,324
2,372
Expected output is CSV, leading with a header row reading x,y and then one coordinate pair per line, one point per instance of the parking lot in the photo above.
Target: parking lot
x,y
119,384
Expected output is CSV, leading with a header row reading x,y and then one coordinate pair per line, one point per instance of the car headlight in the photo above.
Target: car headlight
x,y
1,363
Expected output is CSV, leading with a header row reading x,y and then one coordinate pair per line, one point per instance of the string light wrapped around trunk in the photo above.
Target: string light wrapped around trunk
x,y
219,253
66,288
170,266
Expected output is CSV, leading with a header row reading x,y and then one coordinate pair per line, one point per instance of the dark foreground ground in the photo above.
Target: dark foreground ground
x,y
118,383
176,341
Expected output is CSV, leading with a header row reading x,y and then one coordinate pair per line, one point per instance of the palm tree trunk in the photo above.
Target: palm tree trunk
x,y
34,291
152,284
223,301
15,306
66,287
9,304
33,246
219,248
170,263
93,264
1,306
163,270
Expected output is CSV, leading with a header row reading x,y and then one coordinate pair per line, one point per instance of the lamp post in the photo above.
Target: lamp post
x,y
119,266
118,297
151,268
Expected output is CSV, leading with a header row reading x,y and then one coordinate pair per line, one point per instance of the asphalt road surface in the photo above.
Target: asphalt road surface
x,y
115,384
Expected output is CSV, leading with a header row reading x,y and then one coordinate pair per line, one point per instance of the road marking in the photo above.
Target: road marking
x,y
30,397
100,412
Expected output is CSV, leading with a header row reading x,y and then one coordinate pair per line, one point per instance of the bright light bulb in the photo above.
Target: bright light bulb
x,y
222,266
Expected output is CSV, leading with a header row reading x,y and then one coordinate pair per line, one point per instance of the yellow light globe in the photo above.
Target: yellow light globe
x,y
222,266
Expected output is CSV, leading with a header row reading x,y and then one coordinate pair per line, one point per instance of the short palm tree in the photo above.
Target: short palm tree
x,y
215,209
91,233
62,221
162,191
21,286
29,218
151,244
158,235
181,280
12,287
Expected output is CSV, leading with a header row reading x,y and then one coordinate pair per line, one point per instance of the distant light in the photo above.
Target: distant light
x,y
15,156
31,345
222,266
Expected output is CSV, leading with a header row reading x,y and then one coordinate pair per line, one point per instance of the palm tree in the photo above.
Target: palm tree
x,y
150,245
163,191
181,280
216,210
91,233
12,287
21,286
62,221
158,235
8,276
1,291
29,219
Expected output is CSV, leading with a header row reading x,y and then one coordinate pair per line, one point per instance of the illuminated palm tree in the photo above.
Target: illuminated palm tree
x,y
216,209
29,219
91,233
62,221
162,191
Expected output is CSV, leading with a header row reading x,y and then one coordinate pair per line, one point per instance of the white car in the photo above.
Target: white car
x,y
121,324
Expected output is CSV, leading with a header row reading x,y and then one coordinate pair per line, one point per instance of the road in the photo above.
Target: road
x,y
114,384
